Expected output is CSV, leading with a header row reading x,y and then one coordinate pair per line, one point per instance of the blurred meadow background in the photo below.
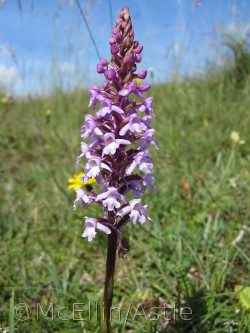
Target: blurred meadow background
x,y
196,251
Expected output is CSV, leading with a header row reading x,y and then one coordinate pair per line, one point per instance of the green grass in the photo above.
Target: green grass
x,y
185,257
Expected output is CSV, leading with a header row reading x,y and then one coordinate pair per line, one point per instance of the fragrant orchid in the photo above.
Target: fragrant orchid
x,y
117,155
123,119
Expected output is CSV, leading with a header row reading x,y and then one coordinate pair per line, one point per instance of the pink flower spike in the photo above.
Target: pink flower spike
x,y
118,134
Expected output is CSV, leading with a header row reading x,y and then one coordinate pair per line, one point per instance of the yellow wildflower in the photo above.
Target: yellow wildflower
x,y
137,81
47,112
234,136
76,182
243,295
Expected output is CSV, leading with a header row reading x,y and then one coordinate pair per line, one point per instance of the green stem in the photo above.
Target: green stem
x,y
229,162
226,169
109,279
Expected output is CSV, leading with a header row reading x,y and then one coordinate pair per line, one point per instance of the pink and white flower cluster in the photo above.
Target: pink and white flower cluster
x,y
117,137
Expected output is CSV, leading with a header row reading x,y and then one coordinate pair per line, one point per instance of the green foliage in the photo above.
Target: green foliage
x,y
11,314
244,296
238,72
184,258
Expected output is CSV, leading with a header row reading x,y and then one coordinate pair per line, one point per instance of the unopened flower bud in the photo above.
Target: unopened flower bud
x,y
134,68
130,59
115,29
112,40
145,87
126,17
142,75
136,44
123,25
138,58
132,86
114,49
118,36
110,74
104,62
138,49
100,69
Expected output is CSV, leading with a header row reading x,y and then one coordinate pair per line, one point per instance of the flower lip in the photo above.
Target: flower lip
x,y
111,198
136,211
111,143
81,196
92,224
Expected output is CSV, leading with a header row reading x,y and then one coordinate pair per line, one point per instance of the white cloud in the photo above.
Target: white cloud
x,y
8,74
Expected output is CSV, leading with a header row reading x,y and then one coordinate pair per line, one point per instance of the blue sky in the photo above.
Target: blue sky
x,y
44,44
